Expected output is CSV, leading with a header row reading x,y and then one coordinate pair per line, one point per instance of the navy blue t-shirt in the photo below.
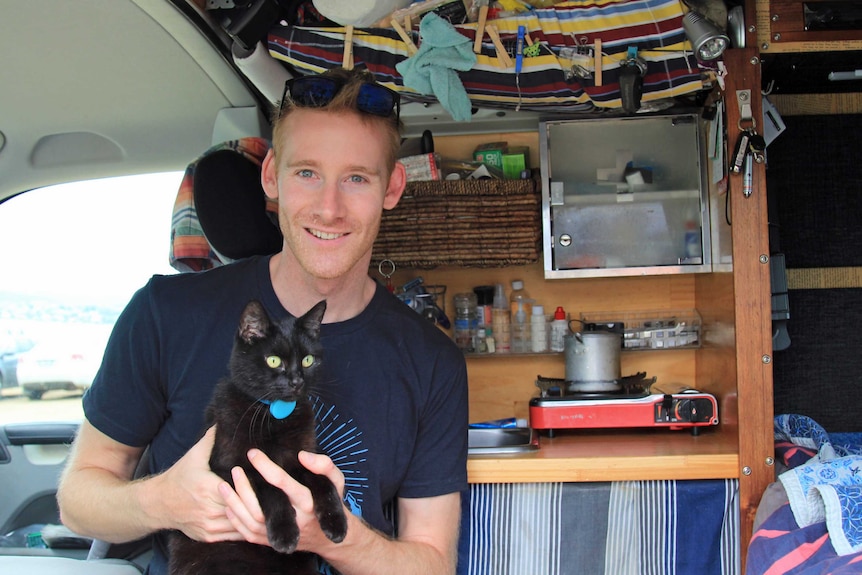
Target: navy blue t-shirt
x,y
392,405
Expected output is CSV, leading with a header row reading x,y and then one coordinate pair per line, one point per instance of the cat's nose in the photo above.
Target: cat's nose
x,y
295,384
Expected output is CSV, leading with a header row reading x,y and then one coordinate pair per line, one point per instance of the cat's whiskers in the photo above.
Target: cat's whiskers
x,y
255,409
318,387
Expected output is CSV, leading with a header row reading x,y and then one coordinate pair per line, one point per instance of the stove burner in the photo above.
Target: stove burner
x,y
630,386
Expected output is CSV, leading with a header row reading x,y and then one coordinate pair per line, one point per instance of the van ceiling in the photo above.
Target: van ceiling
x,y
97,88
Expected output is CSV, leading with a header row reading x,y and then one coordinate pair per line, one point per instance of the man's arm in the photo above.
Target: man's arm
x,y
98,497
427,542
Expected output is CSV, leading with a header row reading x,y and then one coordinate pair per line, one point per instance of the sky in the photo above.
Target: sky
x,y
50,246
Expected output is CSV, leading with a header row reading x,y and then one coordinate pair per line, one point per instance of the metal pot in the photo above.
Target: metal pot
x,y
593,360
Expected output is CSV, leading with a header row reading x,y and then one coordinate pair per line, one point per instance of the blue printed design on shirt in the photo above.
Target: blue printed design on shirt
x,y
342,442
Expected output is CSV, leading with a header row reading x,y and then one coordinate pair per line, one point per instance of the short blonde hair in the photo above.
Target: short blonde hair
x,y
343,102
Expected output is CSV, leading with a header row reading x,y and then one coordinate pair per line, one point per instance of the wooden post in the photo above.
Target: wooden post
x,y
598,60
347,57
753,301
480,29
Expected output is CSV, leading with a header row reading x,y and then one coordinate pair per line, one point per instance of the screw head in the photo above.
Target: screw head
x,y
766,358
764,259
746,470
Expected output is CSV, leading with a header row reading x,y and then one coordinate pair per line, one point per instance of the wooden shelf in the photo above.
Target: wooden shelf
x,y
586,455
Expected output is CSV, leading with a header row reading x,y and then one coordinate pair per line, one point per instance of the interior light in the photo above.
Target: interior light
x,y
708,40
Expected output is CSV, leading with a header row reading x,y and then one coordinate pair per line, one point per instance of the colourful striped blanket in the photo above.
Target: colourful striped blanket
x,y
652,27
818,528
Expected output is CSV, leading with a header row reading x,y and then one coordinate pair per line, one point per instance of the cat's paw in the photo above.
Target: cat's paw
x,y
283,535
333,521
334,526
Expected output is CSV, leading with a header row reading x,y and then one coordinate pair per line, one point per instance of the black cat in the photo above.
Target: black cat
x,y
264,404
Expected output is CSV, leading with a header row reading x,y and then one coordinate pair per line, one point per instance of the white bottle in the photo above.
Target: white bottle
x,y
538,330
559,330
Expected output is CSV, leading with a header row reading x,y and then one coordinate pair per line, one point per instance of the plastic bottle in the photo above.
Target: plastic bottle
x,y
501,321
464,331
520,309
538,330
559,330
484,303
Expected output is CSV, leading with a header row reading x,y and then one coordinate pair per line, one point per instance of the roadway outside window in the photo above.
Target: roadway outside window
x,y
73,255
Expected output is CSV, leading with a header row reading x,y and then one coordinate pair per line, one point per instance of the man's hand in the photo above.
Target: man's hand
x,y
428,527
192,495
244,511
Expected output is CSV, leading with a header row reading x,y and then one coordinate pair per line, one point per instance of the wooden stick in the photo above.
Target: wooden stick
x,y
347,57
598,60
480,29
411,47
498,45
528,39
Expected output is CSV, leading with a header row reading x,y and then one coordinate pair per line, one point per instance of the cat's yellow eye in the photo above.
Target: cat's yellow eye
x,y
273,361
308,360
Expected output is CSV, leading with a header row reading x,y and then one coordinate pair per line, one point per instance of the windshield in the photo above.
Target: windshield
x,y
73,256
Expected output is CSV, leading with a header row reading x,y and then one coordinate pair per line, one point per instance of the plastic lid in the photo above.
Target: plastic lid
x,y
538,310
560,313
517,284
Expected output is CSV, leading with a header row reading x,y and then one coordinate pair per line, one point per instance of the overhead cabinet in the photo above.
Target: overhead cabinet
x,y
624,196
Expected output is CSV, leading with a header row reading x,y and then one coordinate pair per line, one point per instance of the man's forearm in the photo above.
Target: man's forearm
x,y
366,551
96,503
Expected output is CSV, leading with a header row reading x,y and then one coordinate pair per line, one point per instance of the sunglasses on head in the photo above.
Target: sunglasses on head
x,y
318,91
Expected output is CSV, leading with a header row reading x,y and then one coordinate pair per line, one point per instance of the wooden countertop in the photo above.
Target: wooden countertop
x,y
587,455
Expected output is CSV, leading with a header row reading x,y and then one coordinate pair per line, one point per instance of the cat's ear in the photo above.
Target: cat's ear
x,y
313,318
254,322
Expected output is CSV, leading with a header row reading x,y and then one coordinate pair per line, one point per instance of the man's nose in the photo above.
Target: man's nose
x,y
331,200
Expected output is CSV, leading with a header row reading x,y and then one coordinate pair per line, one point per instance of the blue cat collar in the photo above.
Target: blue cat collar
x,y
279,409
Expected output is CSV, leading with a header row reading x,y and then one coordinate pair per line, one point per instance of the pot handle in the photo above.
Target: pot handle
x,y
575,331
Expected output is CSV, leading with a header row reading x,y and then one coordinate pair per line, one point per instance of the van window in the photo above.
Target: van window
x,y
73,255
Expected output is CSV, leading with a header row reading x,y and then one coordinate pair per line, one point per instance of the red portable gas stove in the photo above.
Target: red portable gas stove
x,y
632,401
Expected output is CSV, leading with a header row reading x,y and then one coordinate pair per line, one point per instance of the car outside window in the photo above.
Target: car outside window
x,y
73,255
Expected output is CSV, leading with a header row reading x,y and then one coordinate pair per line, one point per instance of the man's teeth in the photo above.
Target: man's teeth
x,y
324,235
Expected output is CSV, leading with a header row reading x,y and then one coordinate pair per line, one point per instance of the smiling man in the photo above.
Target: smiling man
x,y
395,386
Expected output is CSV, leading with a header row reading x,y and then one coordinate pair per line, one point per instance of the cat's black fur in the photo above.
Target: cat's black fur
x,y
243,422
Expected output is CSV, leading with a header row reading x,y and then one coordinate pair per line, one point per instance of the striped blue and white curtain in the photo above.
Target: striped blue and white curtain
x,y
608,528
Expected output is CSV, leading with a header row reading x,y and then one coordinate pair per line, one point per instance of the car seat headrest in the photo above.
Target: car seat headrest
x,y
221,213
231,206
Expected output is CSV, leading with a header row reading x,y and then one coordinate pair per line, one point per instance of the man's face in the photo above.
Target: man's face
x,y
332,183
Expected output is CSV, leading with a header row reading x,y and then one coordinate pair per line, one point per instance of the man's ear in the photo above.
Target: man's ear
x,y
397,181
269,175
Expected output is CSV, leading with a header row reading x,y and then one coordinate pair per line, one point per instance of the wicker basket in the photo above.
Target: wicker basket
x,y
470,223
